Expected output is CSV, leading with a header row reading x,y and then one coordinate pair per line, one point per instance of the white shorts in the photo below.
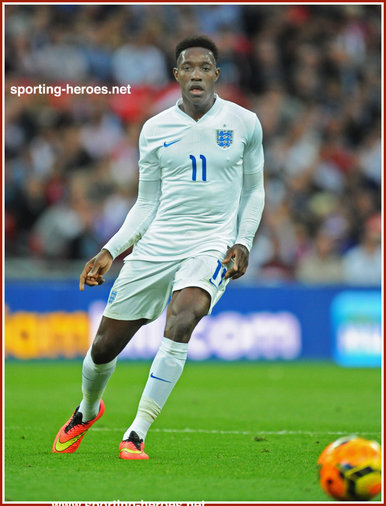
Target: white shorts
x,y
143,288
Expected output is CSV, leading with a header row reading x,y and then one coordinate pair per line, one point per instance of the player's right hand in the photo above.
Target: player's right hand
x,y
92,274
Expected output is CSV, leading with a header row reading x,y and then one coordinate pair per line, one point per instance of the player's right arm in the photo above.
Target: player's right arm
x,y
135,225
137,220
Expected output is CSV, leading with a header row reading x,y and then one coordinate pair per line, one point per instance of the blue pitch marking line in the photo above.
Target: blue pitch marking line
x,y
157,378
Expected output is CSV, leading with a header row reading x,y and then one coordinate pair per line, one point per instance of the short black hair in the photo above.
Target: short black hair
x,y
197,41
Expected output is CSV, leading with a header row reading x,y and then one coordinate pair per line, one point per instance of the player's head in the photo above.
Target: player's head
x,y
196,70
197,41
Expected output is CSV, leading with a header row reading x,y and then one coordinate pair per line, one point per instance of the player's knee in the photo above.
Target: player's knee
x,y
101,350
182,325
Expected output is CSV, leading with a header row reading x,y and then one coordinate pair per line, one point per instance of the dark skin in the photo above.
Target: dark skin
x,y
196,73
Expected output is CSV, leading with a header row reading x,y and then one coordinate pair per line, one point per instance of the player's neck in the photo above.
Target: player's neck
x,y
196,112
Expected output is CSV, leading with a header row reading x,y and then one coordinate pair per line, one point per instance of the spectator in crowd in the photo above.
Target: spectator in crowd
x,y
362,264
139,62
322,264
310,72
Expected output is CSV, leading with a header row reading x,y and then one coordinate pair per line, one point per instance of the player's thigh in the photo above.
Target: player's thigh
x,y
191,300
203,271
141,291
138,296
198,285
186,308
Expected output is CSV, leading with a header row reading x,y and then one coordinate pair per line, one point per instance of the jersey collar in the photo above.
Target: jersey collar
x,y
215,107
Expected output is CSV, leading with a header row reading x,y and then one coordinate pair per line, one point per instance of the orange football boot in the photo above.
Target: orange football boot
x,y
132,448
71,434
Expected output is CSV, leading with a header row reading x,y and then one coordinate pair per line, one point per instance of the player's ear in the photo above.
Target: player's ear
x,y
217,73
175,73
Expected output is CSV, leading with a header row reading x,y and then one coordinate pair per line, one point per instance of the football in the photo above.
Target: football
x,y
350,469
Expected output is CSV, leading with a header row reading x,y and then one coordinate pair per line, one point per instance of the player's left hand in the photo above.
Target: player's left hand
x,y
240,254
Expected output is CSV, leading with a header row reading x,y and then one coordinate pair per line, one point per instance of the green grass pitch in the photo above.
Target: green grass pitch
x,y
255,431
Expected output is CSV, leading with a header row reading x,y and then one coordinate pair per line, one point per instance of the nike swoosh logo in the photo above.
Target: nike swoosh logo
x,y
63,446
127,450
157,378
167,144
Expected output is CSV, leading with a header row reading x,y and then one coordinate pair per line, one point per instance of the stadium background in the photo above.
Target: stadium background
x,y
310,72
309,304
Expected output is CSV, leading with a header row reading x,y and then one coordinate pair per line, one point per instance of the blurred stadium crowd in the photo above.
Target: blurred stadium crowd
x,y
312,73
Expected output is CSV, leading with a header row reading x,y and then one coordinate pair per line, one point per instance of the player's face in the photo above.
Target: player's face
x,y
196,73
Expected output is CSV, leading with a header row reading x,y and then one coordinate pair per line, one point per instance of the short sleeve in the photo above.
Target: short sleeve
x,y
149,167
253,160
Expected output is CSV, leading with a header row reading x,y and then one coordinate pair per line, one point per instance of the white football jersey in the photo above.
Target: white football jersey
x,y
201,166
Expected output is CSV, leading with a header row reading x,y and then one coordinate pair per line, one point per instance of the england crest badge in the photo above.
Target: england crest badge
x,y
224,138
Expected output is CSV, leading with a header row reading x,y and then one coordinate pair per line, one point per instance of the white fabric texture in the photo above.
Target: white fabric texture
x,y
251,208
165,371
138,218
94,381
193,177
143,287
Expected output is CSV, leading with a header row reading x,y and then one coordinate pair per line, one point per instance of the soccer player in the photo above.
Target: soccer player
x,y
200,200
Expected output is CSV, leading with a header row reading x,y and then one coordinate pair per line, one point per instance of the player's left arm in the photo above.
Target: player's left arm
x,y
251,204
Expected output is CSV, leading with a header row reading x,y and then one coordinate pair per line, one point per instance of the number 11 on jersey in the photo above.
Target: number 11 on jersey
x,y
194,167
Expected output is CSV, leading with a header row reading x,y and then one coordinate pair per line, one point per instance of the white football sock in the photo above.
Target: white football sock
x,y
165,370
94,381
